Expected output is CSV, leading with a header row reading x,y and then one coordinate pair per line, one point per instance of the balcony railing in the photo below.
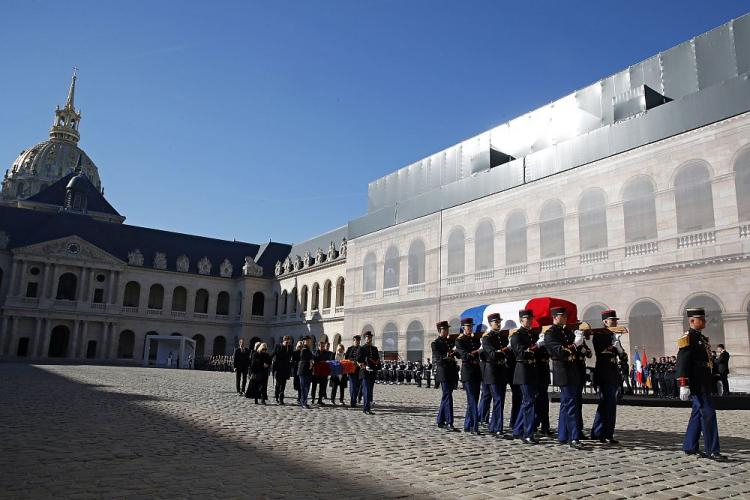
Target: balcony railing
x,y
484,275
455,280
594,256
101,306
325,311
179,314
29,300
368,295
641,248
153,312
339,310
551,264
744,230
200,315
415,288
67,304
390,292
697,239
516,269
256,317
129,310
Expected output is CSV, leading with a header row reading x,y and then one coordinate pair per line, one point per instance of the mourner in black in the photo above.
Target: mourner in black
x,y
320,381
241,361
446,375
369,364
352,354
525,376
722,368
561,345
694,367
493,365
259,366
304,371
282,367
468,349
609,354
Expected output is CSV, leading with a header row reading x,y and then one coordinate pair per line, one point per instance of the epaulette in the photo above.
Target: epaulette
x,y
513,332
485,334
461,335
683,341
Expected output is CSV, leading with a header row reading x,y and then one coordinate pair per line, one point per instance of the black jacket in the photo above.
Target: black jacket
x,y
369,355
257,366
352,353
694,361
470,369
241,358
446,368
722,363
282,361
494,358
607,368
564,370
305,362
525,371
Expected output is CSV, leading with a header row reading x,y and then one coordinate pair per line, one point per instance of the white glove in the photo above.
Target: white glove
x,y
685,393
616,344
540,342
579,338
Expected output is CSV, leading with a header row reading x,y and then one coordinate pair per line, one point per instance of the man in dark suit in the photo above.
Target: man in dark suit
x,y
241,361
493,364
352,354
694,375
562,345
369,364
304,371
321,381
281,364
468,349
525,376
446,375
722,366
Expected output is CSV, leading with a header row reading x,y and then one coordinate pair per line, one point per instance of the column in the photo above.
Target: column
x,y
673,330
146,349
4,333
10,349
19,287
44,284
52,282
83,343
81,284
72,353
34,344
111,293
47,338
112,344
90,288
737,343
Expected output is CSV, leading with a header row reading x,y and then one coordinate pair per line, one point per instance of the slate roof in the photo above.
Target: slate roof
x,y
54,194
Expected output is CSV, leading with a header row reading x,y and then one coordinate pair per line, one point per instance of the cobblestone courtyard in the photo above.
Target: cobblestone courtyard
x,y
103,432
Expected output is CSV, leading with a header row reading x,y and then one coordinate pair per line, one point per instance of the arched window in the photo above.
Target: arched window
x,y
58,343
416,272
200,345
327,291
639,210
551,230
179,299
742,185
456,252
593,315
315,297
646,329
414,341
303,300
390,340
391,268
693,198
258,302
66,287
220,346
340,283
132,295
20,188
367,328
222,304
484,246
201,301
293,298
454,325
126,345
369,271
592,220
284,300
156,297
714,322
515,239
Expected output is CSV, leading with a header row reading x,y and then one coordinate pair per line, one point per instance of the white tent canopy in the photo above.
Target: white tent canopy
x,y
176,347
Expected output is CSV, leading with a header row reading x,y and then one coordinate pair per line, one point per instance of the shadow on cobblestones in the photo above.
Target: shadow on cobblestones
x,y
736,447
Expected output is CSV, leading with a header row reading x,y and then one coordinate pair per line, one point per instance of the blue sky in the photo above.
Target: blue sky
x,y
267,120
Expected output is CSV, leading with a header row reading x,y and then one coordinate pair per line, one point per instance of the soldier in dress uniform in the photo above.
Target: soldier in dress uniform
x,y
446,375
694,375
369,363
493,357
609,352
352,354
525,376
562,345
468,349
541,405
427,372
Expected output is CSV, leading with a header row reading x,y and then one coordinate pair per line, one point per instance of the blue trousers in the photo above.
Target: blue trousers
x,y
525,421
515,403
304,388
702,419
368,386
541,408
567,424
484,403
606,413
579,408
353,388
497,391
445,412
471,420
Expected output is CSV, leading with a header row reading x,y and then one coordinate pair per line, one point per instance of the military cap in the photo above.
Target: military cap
x,y
696,312
306,337
442,324
467,322
525,313
368,334
494,317
558,310
609,314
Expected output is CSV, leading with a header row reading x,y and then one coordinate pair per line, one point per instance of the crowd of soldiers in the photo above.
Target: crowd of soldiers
x,y
400,372
216,364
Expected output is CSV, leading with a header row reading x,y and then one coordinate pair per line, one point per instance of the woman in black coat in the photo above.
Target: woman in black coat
x,y
259,365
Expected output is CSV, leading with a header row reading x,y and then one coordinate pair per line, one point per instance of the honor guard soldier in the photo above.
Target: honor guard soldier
x,y
582,354
352,354
609,352
446,375
369,363
471,375
493,358
561,345
427,372
525,376
541,404
694,374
